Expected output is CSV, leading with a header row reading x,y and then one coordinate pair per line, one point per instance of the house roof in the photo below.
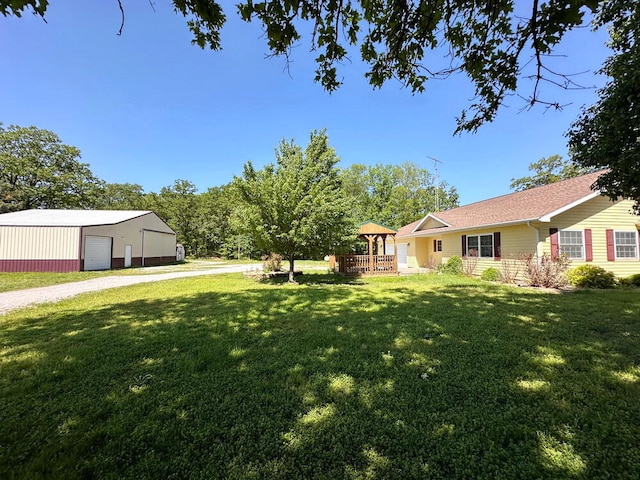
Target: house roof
x,y
535,204
68,218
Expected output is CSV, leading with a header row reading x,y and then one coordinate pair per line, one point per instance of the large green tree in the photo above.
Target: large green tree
x,y
297,207
548,170
121,196
395,195
219,225
38,171
494,43
177,205
607,135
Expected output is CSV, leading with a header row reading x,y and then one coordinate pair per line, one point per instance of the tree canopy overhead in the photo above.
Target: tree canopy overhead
x,y
606,135
489,41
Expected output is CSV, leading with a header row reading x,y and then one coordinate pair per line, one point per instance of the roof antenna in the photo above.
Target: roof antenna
x,y
435,163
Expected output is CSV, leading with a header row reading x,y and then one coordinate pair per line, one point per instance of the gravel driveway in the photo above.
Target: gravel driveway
x,y
22,298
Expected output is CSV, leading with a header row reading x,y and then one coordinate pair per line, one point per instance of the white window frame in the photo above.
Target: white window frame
x,y
583,244
438,245
615,244
480,244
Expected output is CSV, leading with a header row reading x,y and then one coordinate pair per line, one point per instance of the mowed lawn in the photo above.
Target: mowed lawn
x,y
423,377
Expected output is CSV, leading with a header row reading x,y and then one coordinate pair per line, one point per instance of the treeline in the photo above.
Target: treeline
x,y
38,171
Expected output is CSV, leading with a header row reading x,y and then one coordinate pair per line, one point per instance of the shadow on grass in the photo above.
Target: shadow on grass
x,y
393,379
314,279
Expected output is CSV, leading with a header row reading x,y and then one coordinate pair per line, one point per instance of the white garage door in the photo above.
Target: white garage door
x,y
97,253
402,255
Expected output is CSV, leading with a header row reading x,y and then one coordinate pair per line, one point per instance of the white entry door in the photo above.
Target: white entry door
x,y
402,255
127,256
389,249
97,253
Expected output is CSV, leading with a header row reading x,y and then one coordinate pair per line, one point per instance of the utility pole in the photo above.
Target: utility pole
x,y
435,163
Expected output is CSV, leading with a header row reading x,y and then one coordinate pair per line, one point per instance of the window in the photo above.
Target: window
x,y
572,243
626,244
480,246
439,246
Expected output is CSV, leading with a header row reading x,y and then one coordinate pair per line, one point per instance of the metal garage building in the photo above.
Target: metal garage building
x,y
74,240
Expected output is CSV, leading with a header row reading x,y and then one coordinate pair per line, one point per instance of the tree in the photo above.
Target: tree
x,y
606,134
297,208
395,195
220,225
177,205
493,43
121,196
548,170
38,171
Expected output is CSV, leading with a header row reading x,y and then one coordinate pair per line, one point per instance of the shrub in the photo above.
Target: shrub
x,y
591,276
469,265
271,262
633,280
491,275
453,266
547,271
431,264
511,267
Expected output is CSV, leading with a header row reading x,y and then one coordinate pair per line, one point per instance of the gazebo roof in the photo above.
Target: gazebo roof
x,y
372,228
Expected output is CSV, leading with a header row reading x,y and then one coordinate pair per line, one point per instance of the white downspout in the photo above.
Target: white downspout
x,y
538,245
142,250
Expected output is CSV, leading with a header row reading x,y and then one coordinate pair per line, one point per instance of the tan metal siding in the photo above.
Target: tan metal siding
x,y
157,244
130,233
39,243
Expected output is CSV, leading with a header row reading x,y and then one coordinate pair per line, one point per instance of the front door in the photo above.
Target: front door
x,y
402,255
127,256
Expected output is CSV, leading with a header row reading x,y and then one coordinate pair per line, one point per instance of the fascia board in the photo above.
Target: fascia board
x,y
547,218
462,229
427,217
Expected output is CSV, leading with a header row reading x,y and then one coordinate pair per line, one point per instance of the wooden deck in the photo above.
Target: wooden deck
x,y
366,264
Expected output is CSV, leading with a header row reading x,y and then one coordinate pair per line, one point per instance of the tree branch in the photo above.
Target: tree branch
x,y
122,16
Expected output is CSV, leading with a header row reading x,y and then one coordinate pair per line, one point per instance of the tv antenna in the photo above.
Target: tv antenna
x,y
435,163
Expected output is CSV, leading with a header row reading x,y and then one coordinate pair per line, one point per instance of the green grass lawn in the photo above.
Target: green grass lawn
x,y
21,280
425,377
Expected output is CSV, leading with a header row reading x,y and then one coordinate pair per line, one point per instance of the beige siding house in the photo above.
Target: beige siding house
x,y
565,217
75,240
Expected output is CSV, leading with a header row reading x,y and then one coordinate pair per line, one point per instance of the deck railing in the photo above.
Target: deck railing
x,y
366,265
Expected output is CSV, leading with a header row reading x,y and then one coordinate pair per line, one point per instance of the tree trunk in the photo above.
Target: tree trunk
x,y
291,261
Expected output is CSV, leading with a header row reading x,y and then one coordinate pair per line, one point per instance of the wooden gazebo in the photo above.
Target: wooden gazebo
x,y
373,263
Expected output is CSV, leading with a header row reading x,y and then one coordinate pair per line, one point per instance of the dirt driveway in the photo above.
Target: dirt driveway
x,y
22,298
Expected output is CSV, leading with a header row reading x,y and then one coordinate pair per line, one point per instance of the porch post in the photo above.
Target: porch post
x,y
370,239
395,253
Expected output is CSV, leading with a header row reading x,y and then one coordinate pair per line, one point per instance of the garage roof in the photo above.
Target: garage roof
x,y
68,218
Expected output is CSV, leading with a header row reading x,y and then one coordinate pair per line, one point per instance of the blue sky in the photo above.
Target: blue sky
x,y
147,107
